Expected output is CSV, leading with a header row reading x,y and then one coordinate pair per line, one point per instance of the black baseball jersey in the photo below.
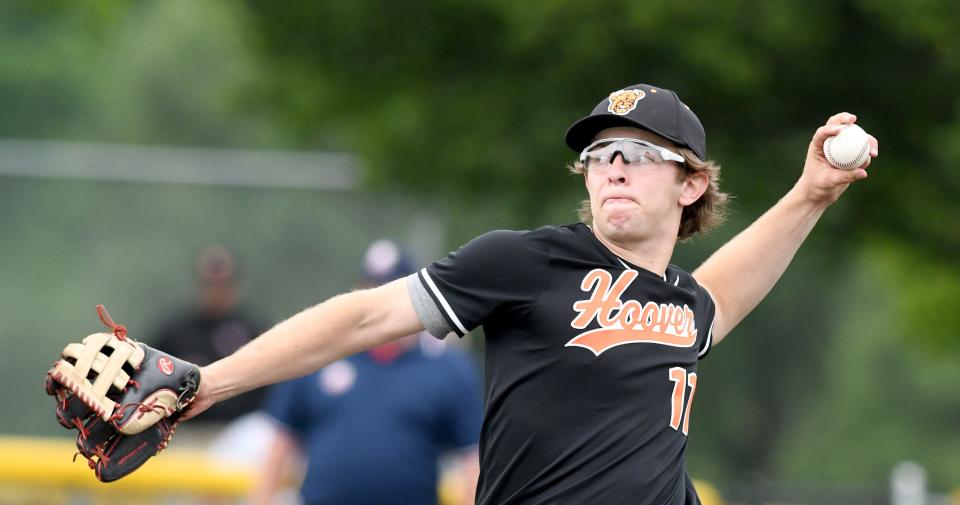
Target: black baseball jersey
x,y
590,366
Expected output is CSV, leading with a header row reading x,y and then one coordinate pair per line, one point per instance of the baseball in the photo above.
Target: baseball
x,y
849,149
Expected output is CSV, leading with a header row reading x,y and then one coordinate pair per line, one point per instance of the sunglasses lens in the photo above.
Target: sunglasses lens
x,y
632,152
636,153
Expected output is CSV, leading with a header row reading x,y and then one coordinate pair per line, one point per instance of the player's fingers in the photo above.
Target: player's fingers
x,y
874,152
842,118
874,146
859,174
823,133
839,177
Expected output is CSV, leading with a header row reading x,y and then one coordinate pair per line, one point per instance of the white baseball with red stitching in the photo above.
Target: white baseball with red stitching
x,y
849,149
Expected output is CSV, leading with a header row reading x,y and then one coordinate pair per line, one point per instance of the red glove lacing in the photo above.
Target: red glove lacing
x,y
118,329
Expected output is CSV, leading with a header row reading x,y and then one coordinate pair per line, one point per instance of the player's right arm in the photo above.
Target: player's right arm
x,y
741,273
343,325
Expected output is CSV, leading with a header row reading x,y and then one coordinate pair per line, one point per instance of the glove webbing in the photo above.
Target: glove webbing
x,y
101,354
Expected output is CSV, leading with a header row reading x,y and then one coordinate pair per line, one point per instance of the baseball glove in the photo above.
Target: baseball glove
x,y
124,397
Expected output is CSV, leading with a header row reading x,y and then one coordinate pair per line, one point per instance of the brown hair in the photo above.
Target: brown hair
x,y
701,216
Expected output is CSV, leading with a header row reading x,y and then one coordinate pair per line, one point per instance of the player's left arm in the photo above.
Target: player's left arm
x,y
741,273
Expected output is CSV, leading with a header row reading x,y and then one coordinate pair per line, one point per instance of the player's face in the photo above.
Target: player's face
x,y
635,201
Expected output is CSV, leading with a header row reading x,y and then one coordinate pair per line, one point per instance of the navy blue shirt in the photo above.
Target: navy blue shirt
x,y
373,431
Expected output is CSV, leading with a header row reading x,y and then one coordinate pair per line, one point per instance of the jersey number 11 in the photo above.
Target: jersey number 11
x,y
681,379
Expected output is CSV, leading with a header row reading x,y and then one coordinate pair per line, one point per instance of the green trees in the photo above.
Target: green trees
x,y
464,103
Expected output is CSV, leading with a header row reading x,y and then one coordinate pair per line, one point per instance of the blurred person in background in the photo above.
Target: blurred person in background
x,y
214,327
372,427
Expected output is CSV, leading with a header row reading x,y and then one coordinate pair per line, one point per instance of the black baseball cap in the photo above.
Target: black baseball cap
x,y
642,106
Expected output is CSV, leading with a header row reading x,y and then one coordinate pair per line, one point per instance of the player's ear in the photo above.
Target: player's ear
x,y
693,186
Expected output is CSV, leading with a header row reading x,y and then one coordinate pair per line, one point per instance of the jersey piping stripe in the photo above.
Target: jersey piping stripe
x,y
628,267
707,342
443,301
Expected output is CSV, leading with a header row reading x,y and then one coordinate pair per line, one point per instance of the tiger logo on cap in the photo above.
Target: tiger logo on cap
x,y
624,101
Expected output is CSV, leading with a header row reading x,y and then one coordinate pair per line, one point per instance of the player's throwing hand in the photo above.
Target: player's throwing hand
x,y
821,182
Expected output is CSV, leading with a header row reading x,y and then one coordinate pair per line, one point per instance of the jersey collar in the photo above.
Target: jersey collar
x,y
618,261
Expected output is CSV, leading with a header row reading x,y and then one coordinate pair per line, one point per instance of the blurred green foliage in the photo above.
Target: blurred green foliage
x,y
844,370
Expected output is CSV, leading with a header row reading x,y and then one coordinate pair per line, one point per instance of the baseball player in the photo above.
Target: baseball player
x,y
592,336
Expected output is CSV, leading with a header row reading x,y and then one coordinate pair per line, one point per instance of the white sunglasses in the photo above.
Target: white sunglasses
x,y
633,150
